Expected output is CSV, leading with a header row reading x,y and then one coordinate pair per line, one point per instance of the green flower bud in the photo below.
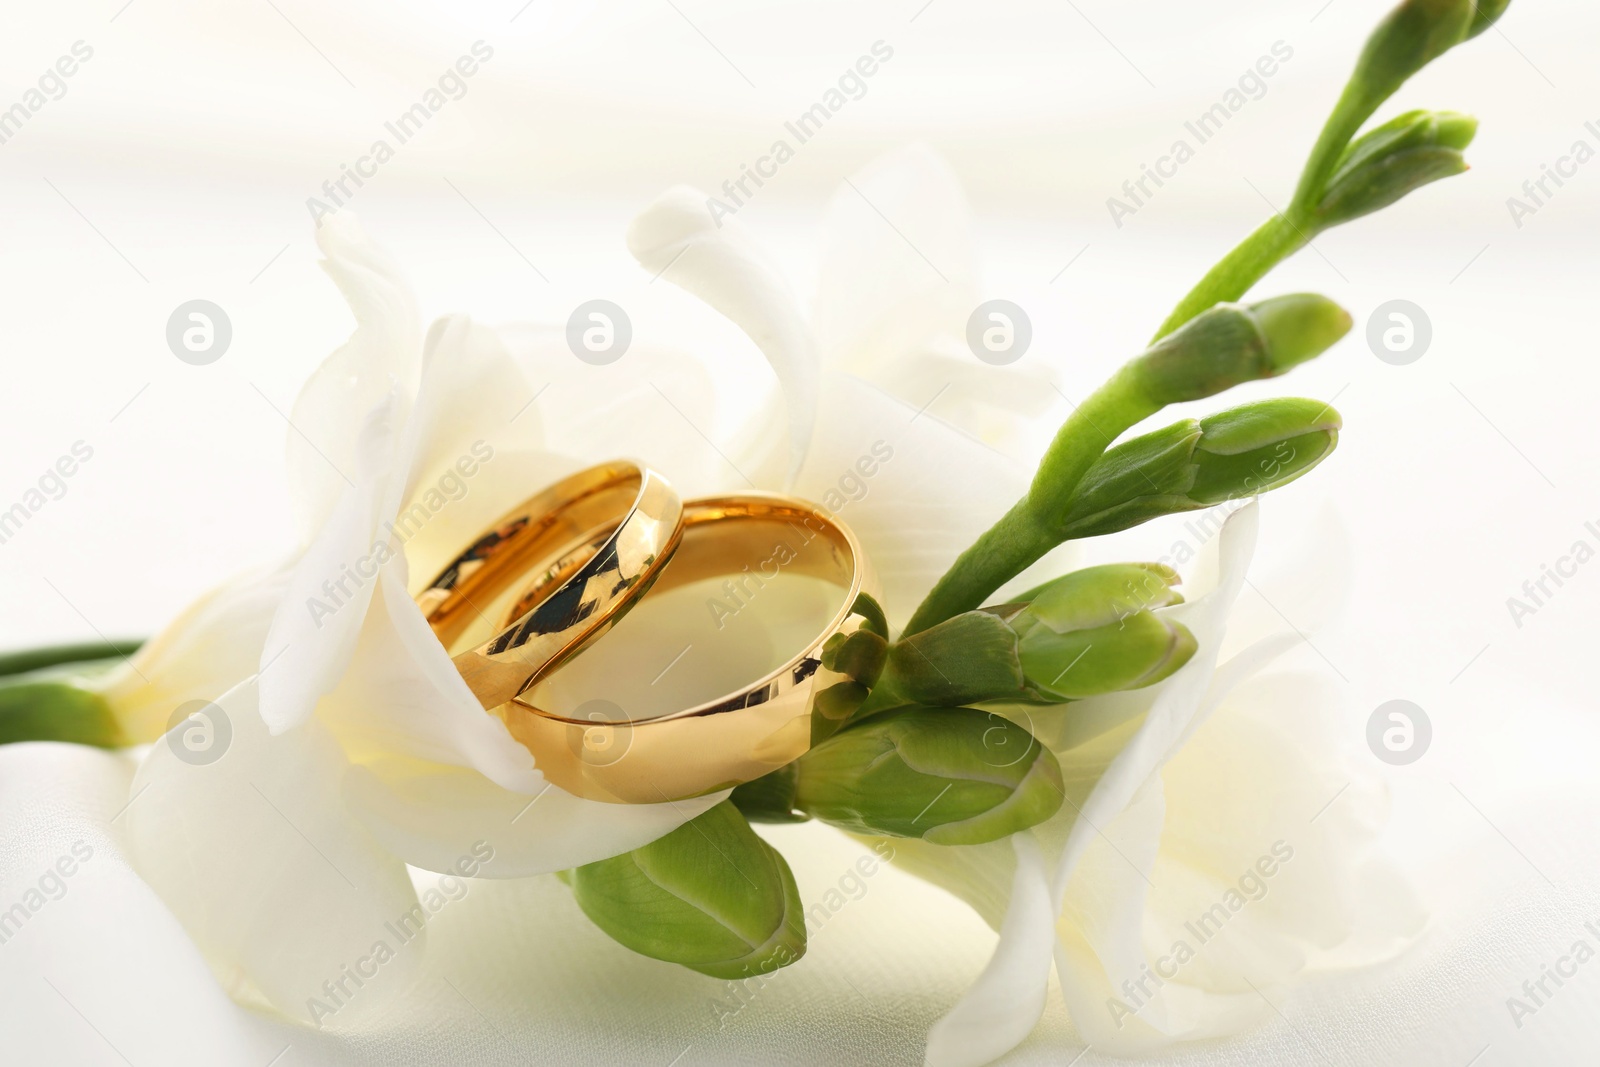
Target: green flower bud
x,y
1240,452
1255,448
1487,13
950,776
1412,36
1083,634
1381,167
1139,650
1232,344
711,895
57,711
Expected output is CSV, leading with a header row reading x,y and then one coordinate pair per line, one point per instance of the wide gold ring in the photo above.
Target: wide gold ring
x,y
596,540
733,548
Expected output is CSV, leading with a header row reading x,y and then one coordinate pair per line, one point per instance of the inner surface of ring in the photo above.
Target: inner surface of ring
x,y
538,536
742,609
595,540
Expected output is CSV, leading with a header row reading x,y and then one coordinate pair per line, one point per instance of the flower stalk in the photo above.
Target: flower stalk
x,y
1413,35
1224,347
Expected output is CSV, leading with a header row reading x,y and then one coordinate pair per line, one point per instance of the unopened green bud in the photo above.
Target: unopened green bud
x,y
1297,328
1237,453
1232,344
711,895
1131,653
1381,167
1487,13
1413,35
1255,448
1095,631
950,776
1086,633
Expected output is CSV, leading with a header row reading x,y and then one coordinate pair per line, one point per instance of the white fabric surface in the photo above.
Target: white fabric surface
x,y
104,972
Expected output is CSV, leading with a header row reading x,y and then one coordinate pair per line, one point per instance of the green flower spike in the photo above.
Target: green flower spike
x,y
1334,186
1090,632
711,895
950,776
1225,346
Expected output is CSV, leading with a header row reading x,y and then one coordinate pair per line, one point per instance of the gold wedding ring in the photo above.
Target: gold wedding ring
x,y
747,542
595,540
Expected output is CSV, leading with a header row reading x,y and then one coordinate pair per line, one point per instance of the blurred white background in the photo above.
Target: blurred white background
x,y
179,160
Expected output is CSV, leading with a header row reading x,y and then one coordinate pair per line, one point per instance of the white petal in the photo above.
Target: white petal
x,y
314,633
596,413
716,260
1005,1002
384,353
1178,701
431,815
473,402
895,293
105,943
400,695
915,491
889,287
256,855
213,646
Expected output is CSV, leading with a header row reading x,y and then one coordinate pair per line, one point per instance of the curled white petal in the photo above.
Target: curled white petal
x,y
382,355
314,633
997,1012
716,260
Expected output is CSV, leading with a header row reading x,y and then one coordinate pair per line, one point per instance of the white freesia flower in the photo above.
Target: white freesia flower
x,y
356,749
350,745
1214,845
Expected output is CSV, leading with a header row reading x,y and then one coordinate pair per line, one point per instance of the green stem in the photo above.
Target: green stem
x,y
1285,234
55,711
1033,525
1356,105
36,659
1275,241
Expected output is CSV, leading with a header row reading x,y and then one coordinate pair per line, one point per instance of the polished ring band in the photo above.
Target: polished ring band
x,y
738,737
596,540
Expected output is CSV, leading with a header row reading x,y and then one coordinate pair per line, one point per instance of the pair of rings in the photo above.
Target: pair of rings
x,y
579,556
